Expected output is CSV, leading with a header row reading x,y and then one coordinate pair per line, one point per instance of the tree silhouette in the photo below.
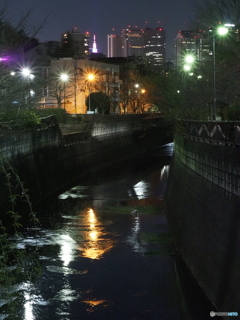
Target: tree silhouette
x,y
99,101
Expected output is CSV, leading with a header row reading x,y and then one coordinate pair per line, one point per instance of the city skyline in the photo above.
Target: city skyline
x,y
104,17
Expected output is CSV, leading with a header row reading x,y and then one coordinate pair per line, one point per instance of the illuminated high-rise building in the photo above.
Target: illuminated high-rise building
x,y
198,44
150,43
155,46
133,42
114,46
76,44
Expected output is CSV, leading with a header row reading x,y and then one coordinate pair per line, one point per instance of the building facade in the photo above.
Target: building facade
x,y
72,95
133,42
198,44
155,45
150,43
114,46
75,44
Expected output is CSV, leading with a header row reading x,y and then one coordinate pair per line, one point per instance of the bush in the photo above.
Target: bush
x,y
233,112
19,120
60,114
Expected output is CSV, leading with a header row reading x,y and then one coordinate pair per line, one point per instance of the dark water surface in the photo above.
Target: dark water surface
x,y
105,252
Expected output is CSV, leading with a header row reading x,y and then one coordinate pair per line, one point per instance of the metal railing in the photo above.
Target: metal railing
x,y
227,132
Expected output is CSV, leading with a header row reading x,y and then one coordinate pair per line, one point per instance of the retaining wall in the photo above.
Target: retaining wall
x,y
202,207
46,160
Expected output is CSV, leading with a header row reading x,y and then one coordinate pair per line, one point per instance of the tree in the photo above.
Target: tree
x,y
214,13
98,101
59,90
211,12
15,40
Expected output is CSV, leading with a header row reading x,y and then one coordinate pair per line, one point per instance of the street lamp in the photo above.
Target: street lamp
x,y
26,73
187,67
189,59
220,31
90,78
64,78
143,91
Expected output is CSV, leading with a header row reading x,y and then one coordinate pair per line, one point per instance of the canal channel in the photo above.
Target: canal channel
x,y
103,251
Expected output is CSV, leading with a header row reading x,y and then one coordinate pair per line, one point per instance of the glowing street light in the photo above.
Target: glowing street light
x,y
64,78
189,59
220,31
90,78
26,73
187,67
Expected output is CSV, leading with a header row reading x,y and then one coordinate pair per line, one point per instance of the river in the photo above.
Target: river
x,y
103,251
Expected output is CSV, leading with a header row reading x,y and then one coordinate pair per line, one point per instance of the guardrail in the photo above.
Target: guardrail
x,y
223,132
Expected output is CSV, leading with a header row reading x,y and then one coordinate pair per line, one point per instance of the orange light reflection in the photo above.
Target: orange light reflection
x,y
94,243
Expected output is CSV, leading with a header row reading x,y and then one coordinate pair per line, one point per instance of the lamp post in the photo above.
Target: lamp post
x,y
26,73
143,91
137,98
90,78
64,78
220,31
188,59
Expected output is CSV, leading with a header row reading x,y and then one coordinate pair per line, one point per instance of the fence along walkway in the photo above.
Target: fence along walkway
x,y
218,164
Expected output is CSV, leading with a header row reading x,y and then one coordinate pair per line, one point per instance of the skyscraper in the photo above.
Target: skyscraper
x,y
133,42
155,46
114,46
76,44
198,44
150,43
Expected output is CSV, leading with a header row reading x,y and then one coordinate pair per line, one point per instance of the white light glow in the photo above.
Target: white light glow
x,y
222,31
26,72
64,77
67,248
141,189
189,59
186,67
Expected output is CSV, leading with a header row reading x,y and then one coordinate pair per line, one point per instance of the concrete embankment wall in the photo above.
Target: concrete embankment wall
x,y
46,160
202,207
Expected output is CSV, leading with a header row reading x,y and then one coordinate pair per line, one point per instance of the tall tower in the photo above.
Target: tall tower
x,y
94,48
155,46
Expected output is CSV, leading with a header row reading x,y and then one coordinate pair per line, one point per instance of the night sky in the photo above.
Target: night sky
x,y
100,17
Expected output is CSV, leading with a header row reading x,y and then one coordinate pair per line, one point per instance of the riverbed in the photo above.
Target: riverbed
x,y
103,251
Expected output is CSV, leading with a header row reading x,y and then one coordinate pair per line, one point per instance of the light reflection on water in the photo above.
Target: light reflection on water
x,y
95,242
78,255
134,239
31,300
142,189
82,234
67,248
28,306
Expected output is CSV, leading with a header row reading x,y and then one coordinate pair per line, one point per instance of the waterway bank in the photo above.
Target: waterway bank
x,y
105,252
